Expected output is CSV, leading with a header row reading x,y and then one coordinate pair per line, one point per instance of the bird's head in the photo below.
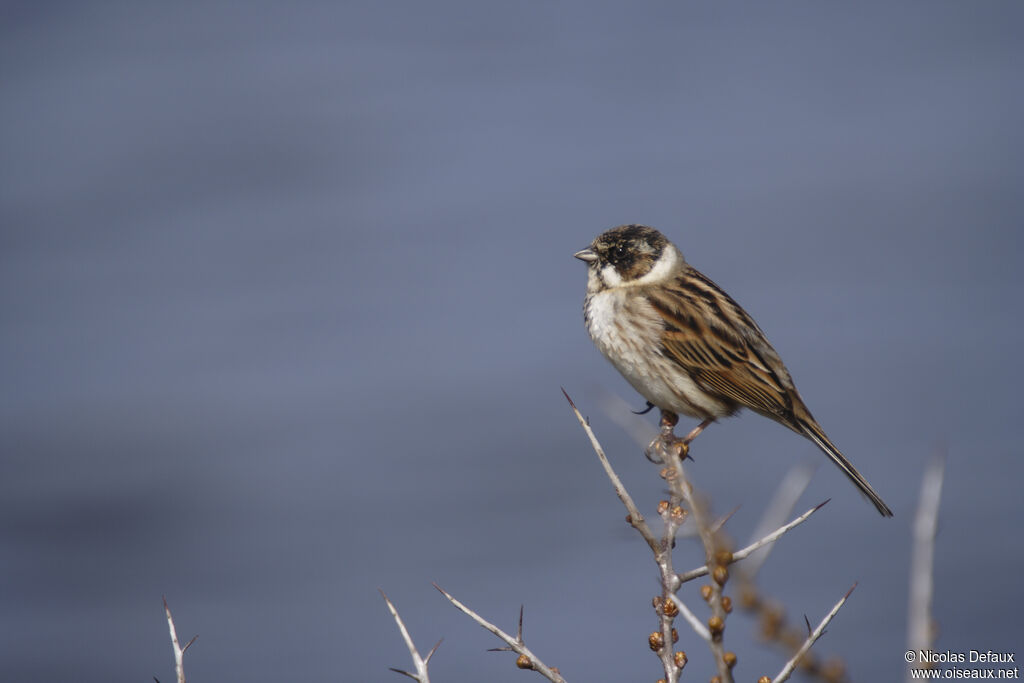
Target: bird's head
x,y
629,255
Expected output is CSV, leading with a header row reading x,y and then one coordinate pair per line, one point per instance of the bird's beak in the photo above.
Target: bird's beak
x,y
587,255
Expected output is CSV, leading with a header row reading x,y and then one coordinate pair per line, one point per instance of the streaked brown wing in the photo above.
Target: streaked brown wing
x,y
721,348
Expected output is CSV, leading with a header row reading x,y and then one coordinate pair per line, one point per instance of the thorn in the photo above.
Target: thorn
x,y
821,505
519,635
807,621
432,651
720,523
399,671
850,591
566,394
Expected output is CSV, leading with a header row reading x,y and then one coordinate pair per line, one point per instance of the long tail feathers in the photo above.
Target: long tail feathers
x,y
814,433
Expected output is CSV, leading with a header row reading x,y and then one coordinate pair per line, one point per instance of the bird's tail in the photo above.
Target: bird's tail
x,y
812,431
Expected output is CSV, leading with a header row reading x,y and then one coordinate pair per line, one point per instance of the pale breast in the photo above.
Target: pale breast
x,y
627,330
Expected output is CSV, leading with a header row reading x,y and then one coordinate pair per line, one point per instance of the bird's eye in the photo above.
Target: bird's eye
x,y
620,251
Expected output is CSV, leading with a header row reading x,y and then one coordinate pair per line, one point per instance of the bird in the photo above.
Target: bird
x,y
686,346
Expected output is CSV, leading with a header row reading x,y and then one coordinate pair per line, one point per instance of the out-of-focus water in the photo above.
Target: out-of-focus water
x,y
287,297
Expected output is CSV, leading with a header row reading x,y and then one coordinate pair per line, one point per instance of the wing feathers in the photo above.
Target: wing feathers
x,y
720,347
724,351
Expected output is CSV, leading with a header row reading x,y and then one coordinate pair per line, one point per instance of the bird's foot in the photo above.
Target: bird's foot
x,y
667,445
649,408
663,448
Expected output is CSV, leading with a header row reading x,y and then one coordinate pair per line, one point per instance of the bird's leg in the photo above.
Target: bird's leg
x,y
668,422
695,431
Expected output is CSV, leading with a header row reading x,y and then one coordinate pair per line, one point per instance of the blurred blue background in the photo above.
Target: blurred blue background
x,y
288,295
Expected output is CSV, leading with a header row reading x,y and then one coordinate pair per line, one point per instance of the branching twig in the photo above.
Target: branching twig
x,y
787,670
662,640
179,652
421,663
770,538
527,660
683,503
919,610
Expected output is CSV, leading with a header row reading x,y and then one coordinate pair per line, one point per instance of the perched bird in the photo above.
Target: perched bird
x,y
685,345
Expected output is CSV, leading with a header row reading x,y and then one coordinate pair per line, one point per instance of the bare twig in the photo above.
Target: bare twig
x,y
635,518
743,553
813,636
527,660
691,618
179,652
919,610
421,663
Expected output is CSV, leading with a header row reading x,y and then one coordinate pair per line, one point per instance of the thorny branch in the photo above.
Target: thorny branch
x,y
672,514
635,518
811,638
667,605
421,663
179,652
756,545
717,554
527,660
